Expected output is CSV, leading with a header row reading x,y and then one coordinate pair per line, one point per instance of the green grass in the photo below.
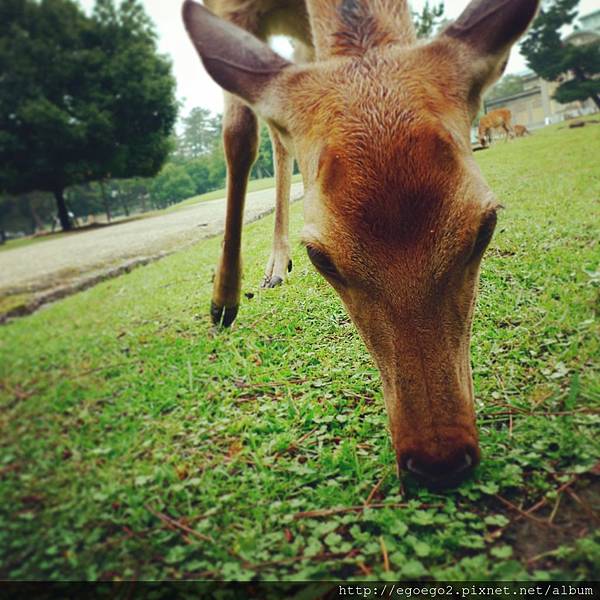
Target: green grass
x,y
121,409
254,185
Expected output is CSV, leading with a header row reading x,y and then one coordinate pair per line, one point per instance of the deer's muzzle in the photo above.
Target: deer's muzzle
x,y
445,469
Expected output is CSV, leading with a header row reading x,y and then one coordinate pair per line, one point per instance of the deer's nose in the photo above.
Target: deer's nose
x,y
436,473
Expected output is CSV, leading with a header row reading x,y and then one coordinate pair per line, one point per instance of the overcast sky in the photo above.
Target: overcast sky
x,y
195,88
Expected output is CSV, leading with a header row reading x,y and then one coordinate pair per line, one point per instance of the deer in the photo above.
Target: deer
x,y
521,131
495,119
397,215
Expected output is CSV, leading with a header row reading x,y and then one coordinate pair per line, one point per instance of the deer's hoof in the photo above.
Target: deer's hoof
x,y
279,265
273,282
223,315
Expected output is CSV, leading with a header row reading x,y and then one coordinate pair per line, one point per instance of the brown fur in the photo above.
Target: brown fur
x,y
521,131
495,119
397,214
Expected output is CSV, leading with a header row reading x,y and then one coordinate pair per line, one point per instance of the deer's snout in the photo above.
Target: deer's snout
x,y
440,471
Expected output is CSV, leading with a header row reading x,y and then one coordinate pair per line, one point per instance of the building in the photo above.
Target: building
x,y
534,106
591,21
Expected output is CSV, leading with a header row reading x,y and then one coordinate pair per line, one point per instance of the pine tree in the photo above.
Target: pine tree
x,y
552,59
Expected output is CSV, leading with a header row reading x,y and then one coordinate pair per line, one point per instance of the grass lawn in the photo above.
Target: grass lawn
x,y
254,185
136,443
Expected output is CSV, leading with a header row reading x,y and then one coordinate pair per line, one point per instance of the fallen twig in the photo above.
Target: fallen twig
x,y
103,368
586,508
376,488
293,559
540,503
556,505
16,391
178,525
538,557
295,444
521,413
313,514
523,513
535,507
384,552
269,384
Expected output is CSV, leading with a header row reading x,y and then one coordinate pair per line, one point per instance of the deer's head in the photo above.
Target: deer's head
x,y
397,214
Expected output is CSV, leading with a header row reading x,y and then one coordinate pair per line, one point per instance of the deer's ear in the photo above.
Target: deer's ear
x,y
489,28
235,59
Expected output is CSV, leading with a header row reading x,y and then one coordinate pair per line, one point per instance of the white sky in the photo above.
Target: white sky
x,y
194,86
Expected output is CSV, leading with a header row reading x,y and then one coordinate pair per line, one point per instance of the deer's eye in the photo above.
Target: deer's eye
x,y
322,262
484,236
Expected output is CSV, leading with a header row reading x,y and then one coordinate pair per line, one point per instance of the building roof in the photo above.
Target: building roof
x,y
590,34
589,15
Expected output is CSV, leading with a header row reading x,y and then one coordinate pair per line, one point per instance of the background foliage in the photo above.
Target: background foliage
x,y
71,115
70,110
576,66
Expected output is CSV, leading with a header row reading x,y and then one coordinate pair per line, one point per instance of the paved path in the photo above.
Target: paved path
x,y
45,265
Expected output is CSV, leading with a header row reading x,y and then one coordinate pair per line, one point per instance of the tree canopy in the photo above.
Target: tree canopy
x,y
428,19
172,185
576,66
82,98
200,131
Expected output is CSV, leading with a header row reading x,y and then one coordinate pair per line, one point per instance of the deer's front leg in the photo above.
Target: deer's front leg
x,y
280,261
240,139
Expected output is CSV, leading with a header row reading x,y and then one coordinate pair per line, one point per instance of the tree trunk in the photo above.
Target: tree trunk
x,y
63,213
2,236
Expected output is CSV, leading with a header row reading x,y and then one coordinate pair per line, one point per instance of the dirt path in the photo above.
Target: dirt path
x,y
53,268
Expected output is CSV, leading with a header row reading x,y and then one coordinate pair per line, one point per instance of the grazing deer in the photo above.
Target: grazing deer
x,y
495,119
397,214
521,131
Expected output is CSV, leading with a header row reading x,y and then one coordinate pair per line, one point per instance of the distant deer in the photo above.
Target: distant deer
x,y
396,213
521,131
495,119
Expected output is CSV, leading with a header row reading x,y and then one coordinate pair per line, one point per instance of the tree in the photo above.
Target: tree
x,y
507,86
263,167
428,19
201,131
172,185
217,168
26,213
199,173
552,59
86,199
82,98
